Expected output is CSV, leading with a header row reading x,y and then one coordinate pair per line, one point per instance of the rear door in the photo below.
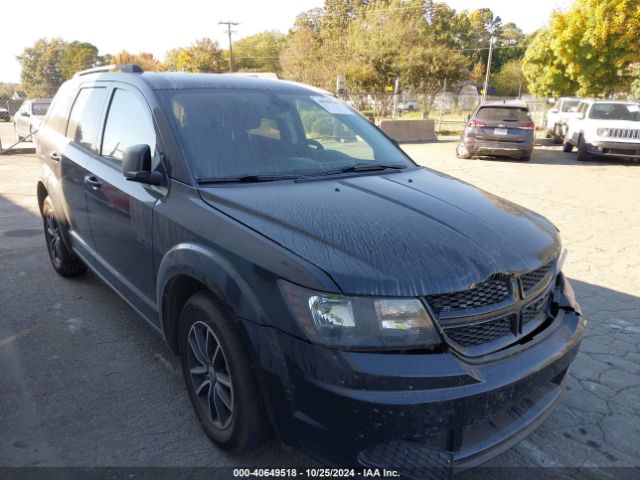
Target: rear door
x,y
503,124
121,212
75,156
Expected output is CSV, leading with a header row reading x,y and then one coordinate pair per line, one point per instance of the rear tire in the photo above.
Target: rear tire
x,y
525,158
462,152
220,377
567,147
64,261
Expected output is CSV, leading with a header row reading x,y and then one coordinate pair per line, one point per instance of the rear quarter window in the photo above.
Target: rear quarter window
x,y
59,110
85,116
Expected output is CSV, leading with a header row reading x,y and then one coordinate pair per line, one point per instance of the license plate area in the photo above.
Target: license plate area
x,y
501,131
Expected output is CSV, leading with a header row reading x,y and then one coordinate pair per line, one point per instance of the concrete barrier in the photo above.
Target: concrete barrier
x,y
410,130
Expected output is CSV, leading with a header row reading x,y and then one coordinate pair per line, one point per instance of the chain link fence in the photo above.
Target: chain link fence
x,y
449,109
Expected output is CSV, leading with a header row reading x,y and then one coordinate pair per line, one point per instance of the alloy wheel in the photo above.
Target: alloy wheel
x,y
53,234
209,374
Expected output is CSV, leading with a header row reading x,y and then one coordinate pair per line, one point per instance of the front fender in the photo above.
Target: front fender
x,y
213,271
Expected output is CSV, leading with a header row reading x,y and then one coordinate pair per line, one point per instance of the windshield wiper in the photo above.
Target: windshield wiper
x,y
246,179
359,167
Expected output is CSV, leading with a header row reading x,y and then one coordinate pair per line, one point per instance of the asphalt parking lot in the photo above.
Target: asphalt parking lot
x,y
84,382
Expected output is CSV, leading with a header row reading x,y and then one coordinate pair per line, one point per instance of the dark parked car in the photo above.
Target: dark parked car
x,y
500,129
5,116
365,309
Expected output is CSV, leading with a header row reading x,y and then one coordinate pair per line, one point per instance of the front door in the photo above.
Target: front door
x,y
121,212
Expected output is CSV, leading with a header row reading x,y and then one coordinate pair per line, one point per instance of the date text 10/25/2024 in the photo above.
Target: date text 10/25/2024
x,y
315,473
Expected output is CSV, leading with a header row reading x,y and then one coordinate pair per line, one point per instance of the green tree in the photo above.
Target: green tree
x,y
202,56
80,56
424,69
597,41
259,52
510,80
545,72
41,74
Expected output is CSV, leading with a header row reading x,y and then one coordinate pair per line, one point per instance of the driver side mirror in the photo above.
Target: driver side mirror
x,y
136,165
26,114
580,116
553,110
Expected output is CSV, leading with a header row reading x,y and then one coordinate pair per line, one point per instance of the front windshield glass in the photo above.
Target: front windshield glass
x,y
233,133
40,108
569,104
615,111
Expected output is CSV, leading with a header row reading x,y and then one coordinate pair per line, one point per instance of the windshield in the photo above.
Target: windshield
x,y
240,132
569,104
615,111
503,114
40,108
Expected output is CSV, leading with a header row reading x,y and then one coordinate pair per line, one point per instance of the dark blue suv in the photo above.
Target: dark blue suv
x,y
314,280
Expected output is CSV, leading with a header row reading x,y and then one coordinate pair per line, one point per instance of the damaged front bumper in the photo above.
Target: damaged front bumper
x,y
415,411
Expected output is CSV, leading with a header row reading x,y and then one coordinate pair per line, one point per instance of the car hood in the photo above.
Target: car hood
x,y
412,233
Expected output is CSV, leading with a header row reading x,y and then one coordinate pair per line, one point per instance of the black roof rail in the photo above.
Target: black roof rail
x,y
131,68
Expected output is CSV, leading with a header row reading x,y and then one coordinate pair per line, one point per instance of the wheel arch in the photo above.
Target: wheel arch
x,y
42,193
188,268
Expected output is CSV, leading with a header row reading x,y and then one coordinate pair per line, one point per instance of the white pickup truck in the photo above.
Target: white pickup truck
x,y
555,122
604,128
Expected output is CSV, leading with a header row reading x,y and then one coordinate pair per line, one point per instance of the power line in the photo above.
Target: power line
x,y
229,23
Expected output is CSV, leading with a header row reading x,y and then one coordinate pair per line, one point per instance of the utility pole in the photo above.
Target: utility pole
x,y
229,24
444,91
486,78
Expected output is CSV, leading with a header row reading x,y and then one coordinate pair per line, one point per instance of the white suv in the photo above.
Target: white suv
x,y
28,118
557,118
605,128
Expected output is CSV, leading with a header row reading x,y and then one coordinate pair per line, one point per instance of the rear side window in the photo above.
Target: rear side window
x,y
503,114
85,116
129,123
59,110
40,108
569,104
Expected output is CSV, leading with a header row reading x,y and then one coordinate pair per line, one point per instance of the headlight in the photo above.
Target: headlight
x,y
603,132
361,322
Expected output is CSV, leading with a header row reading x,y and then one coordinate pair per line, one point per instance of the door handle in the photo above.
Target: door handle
x,y
92,181
54,156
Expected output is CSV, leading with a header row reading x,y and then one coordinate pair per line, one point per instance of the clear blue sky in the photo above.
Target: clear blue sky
x,y
130,25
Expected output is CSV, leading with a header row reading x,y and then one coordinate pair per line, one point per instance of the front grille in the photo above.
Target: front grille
x,y
534,309
624,133
533,279
479,333
486,293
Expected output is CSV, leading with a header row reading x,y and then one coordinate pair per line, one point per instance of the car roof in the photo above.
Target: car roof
x,y
620,102
192,81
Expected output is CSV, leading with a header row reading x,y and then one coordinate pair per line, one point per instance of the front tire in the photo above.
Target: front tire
x,y
583,155
567,147
64,261
219,376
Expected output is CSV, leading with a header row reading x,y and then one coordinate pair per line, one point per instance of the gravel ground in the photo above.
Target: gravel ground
x,y
84,382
